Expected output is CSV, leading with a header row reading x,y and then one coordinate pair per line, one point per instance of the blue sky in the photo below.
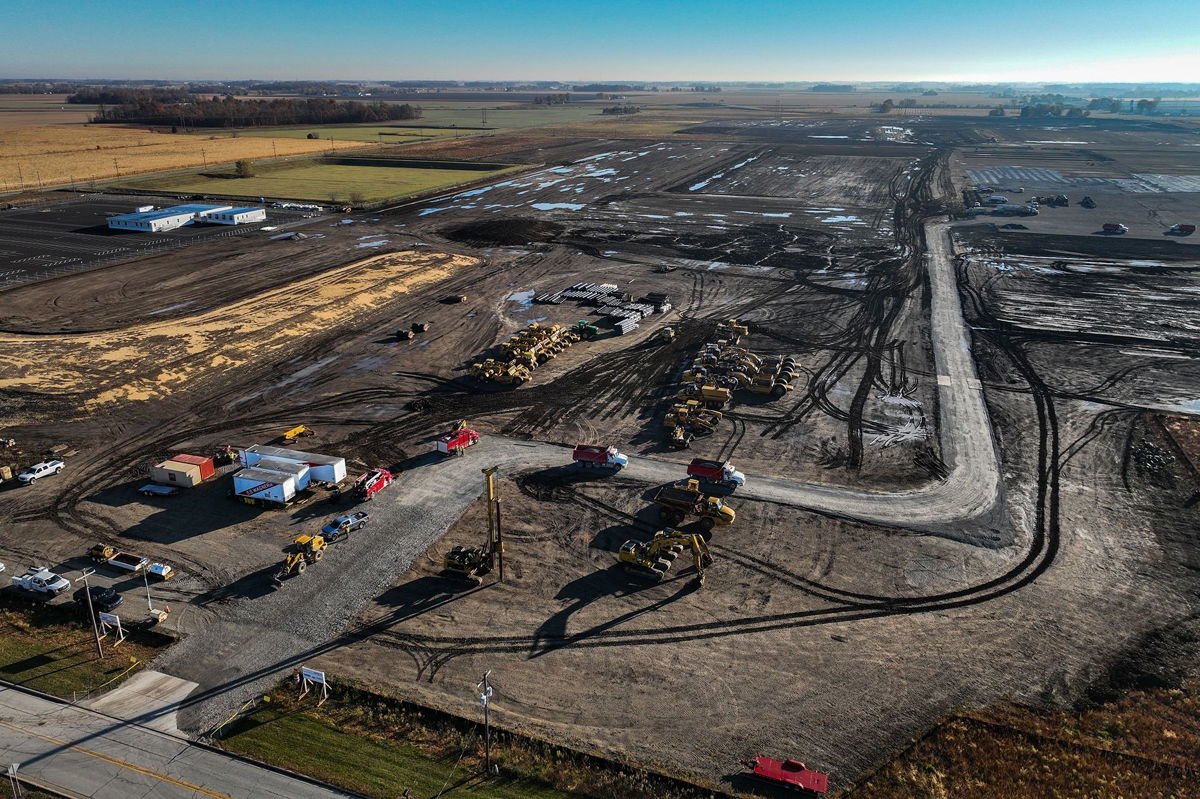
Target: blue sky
x,y
1052,40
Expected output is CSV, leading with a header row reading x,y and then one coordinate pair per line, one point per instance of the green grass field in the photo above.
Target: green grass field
x,y
321,182
377,768
58,658
437,123
384,134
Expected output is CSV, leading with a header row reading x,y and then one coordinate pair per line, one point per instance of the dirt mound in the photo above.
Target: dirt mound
x,y
504,232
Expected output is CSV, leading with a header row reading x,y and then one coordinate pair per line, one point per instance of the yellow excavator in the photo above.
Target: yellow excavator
x,y
653,559
306,550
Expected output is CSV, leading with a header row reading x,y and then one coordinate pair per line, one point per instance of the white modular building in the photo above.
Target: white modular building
x,y
234,216
322,468
156,221
152,221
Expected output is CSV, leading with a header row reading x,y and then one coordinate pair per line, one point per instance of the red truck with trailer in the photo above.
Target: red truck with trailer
x,y
595,456
788,774
719,472
456,443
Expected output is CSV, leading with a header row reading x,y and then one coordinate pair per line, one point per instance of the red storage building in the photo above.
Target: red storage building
x,y
207,468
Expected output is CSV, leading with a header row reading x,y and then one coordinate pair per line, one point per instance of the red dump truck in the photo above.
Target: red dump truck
x,y
1181,230
720,472
594,456
788,774
1115,227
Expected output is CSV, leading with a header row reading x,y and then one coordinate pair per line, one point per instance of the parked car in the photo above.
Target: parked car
x,y
39,470
104,600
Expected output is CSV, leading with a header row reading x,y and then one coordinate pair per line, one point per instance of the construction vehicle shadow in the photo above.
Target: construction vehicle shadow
x,y
741,782
193,512
422,595
605,583
418,461
250,586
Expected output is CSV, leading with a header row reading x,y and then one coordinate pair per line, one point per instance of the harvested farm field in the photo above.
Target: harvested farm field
x,y
76,155
964,445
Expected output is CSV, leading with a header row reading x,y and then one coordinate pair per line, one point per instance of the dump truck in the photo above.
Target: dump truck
x,y
719,472
653,559
1088,202
103,553
456,442
677,502
1181,230
1114,227
593,456
788,774
306,550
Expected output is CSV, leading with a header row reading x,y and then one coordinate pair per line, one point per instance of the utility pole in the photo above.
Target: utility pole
x,y
485,697
91,613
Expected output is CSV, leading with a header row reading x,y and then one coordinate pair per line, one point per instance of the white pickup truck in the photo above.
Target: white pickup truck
x,y
43,469
41,580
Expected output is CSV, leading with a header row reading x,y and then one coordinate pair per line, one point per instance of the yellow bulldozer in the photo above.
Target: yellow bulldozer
x,y
299,431
306,550
653,559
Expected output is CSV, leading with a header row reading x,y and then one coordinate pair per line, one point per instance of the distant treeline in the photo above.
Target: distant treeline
x,y
105,95
229,112
841,88
552,99
621,109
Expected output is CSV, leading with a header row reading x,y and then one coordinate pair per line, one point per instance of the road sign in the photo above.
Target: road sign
x,y
312,675
111,621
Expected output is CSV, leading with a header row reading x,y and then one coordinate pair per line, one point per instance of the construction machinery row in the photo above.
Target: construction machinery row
x,y
720,368
528,349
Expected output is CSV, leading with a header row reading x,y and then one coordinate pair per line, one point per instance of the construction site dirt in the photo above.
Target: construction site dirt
x,y
873,579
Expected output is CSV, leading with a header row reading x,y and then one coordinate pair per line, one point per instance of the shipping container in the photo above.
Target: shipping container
x,y
207,468
184,475
324,468
263,486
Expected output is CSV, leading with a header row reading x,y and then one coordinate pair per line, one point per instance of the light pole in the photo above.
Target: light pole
x,y
87,590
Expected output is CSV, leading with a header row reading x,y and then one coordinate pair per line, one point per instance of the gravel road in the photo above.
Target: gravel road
x,y
263,633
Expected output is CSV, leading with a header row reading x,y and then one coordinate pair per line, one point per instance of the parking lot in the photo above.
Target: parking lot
x,y
71,233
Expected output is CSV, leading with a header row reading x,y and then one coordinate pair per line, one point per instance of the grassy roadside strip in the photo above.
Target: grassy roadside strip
x,y
380,746
49,649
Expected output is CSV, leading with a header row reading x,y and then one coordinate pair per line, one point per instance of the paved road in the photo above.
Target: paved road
x,y
87,754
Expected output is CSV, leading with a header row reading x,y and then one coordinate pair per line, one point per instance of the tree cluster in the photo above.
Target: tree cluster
x,y
552,99
621,109
229,112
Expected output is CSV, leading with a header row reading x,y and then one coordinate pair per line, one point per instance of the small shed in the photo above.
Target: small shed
x,y
184,475
207,468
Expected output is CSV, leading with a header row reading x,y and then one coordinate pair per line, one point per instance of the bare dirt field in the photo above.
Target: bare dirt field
x,y
816,634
